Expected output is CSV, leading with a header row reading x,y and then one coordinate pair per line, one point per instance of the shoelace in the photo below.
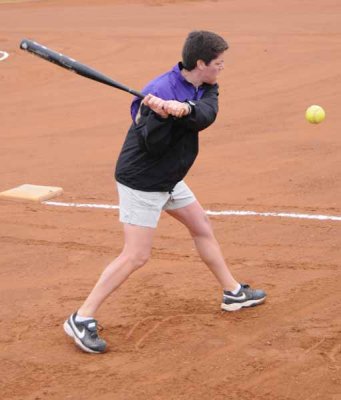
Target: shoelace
x,y
94,333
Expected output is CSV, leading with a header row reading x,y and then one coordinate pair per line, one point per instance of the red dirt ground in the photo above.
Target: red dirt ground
x,y
168,338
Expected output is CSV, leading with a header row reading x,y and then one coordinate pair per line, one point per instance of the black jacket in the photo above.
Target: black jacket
x,y
157,152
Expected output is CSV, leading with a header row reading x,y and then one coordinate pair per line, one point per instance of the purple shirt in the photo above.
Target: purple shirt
x,y
169,86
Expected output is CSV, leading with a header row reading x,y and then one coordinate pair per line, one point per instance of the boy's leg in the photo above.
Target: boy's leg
x,y
199,226
136,252
235,295
81,326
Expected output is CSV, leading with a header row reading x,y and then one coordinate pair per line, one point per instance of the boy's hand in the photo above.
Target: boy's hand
x,y
167,107
156,104
176,108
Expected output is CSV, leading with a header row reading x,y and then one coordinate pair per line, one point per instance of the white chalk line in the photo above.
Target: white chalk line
x,y
80,205
209,212
4,55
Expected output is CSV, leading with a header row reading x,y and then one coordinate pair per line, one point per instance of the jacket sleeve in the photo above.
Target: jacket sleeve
x,y
153,131
204,111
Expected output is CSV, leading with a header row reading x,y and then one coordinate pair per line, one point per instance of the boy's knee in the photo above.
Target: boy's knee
x,y
204,228
138,259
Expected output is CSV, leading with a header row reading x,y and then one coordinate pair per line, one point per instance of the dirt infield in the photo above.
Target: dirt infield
x,y
167,336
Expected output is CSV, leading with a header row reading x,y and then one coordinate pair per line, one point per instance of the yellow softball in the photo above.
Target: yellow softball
x,y
315,114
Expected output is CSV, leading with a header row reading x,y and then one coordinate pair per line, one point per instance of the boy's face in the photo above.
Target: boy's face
x,y
211,71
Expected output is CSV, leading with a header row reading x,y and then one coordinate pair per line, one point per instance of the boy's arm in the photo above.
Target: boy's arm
x,y
154,122
196,115
153,130
204,111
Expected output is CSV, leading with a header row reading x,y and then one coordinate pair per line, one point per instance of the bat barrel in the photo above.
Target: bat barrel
x,y
73,65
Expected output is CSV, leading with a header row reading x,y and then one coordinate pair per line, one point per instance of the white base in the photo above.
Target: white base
x,y
31,192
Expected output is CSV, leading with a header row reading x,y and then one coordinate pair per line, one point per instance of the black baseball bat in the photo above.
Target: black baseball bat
x,y
73,65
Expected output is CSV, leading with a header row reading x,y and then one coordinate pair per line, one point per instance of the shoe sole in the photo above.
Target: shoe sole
x,y
68,330
238,306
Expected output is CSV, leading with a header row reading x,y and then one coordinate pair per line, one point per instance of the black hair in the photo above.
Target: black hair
x,y
202,45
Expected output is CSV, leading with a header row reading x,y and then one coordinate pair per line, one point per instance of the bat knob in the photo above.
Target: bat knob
x,y
23,45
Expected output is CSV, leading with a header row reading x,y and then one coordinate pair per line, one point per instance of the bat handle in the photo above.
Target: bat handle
x,y
137,94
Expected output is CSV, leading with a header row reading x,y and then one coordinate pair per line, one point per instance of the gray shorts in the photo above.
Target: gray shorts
x,y
144,208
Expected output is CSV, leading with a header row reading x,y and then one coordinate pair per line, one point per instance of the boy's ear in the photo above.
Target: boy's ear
x,y
201,64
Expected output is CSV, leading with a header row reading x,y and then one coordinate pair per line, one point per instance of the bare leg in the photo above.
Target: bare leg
x,y
199,226
136,252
